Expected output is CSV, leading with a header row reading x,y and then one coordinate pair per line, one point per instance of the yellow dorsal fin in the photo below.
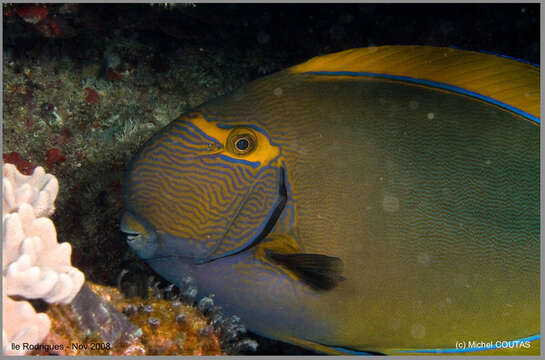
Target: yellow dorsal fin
x,y
497,79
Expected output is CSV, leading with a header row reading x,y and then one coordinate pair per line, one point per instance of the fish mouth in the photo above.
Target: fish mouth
x,y
131,234
140,237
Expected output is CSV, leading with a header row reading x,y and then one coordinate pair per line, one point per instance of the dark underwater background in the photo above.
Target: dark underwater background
x,y
85,85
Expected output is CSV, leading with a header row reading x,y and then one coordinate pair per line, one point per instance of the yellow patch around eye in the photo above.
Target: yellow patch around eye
x,y
264,152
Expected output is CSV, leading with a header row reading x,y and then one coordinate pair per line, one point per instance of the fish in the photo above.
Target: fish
x,y
379,200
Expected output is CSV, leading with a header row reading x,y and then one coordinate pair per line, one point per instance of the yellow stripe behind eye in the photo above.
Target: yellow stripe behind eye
x,y
264,153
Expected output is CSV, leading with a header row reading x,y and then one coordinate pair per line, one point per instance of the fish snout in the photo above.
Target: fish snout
x,y
140,237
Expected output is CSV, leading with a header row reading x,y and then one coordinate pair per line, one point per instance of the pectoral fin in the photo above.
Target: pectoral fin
x,y
321,272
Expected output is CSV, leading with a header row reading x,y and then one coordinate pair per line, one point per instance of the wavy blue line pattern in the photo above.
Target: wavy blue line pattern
x,y
206,199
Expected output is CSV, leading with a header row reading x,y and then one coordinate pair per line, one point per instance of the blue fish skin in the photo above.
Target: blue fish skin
x,y
217,277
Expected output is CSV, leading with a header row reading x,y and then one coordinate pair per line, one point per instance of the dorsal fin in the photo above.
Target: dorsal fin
x,y
508,83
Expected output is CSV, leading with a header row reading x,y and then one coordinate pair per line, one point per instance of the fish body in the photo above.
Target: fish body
x,y
382,199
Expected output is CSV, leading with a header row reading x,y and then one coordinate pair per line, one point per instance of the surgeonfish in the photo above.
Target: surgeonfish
x,y
376,200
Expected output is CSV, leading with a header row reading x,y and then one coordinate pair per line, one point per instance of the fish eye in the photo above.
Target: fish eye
x,y
241,141
242,144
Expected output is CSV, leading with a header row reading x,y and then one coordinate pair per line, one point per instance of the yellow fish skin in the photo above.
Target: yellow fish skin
x,y
381,200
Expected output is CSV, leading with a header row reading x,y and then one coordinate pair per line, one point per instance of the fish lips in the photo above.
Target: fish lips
x,y
150,243
141,237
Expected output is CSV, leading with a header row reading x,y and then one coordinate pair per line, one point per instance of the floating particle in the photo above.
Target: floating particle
x,y
390,203
418,331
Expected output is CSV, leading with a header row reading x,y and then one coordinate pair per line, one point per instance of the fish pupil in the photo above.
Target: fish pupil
x,y
242,144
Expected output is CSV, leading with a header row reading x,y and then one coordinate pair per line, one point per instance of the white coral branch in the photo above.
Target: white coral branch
x,y
21,323
34,264
38,190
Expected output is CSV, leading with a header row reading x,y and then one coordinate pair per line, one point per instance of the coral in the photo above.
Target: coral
x,y
89,325
21,324
101,320
38,190
54,157
92,96
32,14
112,75
173,323
55,28
43,20
16,159
110,97
169,326
34,265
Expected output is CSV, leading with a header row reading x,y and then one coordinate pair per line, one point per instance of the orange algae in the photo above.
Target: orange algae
x,y
67,338
163,330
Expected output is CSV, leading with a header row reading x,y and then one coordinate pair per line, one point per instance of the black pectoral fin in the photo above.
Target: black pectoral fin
x,y
321,272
